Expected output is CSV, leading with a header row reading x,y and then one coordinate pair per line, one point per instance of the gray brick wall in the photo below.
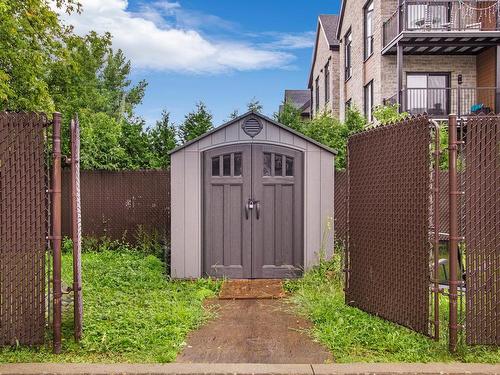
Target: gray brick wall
x,y
382,69
465,65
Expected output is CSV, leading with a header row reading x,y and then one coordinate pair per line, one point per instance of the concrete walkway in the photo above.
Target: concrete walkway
x,y
247,369
253,331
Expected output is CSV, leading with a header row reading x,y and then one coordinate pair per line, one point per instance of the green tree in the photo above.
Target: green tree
x,y
100,141
135,143
234,114
290,116
30,40
255,106
333,133
196,123
162,138
90,77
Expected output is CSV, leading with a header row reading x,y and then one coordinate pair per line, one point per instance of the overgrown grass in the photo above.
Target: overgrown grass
x,y
355,336
132,312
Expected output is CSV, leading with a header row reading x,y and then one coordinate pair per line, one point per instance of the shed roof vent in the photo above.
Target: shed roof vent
x,y
252,127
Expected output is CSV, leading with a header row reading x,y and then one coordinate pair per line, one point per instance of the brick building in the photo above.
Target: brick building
x,y
417,53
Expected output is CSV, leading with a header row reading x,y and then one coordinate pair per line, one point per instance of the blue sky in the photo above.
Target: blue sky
x,y
221,52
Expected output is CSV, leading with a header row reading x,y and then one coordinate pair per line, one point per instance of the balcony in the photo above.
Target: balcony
x,y
440,102
443,27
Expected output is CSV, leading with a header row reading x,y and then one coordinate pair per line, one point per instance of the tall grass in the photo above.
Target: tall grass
x,y
132,311
355,336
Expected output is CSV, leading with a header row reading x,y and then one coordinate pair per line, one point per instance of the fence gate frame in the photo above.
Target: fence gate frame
x,y
24,228
413,149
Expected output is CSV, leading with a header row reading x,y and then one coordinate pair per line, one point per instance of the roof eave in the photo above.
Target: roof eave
x,y
268,119
341,19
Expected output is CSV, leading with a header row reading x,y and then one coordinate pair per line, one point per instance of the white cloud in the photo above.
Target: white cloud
x,y
151,42
293,40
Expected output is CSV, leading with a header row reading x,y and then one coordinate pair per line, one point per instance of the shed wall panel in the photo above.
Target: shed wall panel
x,y
312,201
327,202
192,215
177,214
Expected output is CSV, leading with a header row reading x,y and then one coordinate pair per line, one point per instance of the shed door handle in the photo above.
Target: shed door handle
x,y
248,207
257,206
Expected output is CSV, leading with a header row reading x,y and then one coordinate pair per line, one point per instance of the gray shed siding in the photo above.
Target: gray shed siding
x,y
186,194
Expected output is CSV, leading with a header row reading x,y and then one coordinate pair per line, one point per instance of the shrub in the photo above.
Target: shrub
x,y
388,114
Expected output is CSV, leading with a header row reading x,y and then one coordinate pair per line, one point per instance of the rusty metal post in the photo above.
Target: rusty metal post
x,y
56,231
76,231
453,240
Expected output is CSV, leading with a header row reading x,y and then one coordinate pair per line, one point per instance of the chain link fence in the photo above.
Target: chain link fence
x,y
120,205
481,156
24,207
389,247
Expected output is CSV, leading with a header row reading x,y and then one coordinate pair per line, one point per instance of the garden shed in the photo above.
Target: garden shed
x,y
250,199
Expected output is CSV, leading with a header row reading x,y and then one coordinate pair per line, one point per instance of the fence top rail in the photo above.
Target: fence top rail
x,y
410,120
25,116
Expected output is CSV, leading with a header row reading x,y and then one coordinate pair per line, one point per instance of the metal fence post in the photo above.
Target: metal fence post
x,y
453,240
436,218
56,231
76,229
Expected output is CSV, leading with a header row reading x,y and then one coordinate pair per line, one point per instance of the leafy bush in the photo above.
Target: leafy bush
x,y
290,116
388,114
333,133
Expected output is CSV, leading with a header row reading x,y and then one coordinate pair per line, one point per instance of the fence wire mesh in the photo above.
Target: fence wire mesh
x,y
388,253
23,228
121,204
482,229
340,192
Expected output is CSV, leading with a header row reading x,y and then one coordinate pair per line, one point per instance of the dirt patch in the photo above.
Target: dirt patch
x,y
253,331
252,289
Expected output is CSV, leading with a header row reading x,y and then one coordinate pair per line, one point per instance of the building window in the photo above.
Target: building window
x,y
348,57
348,106
369,101
316,89
429,93
368,29
327,82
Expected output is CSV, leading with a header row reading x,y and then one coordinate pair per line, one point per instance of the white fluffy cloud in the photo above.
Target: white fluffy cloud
x,y
152,42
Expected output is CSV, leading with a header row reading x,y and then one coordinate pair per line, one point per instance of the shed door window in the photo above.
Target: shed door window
x,y
227,165
277,165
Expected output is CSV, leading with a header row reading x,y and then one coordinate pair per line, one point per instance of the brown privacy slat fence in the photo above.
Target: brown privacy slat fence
x,y
482,229
23,228
388,253
341,178
340,217
117,204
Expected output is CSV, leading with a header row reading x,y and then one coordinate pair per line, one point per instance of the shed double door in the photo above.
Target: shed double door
x,y
253,212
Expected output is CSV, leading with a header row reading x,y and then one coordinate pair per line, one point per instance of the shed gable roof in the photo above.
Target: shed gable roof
x,y
261,116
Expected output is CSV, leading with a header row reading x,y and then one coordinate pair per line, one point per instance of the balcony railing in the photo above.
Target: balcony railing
x,y
440,102
453,15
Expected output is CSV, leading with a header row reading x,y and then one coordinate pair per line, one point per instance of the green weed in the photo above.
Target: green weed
x,y
132,311
355,336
